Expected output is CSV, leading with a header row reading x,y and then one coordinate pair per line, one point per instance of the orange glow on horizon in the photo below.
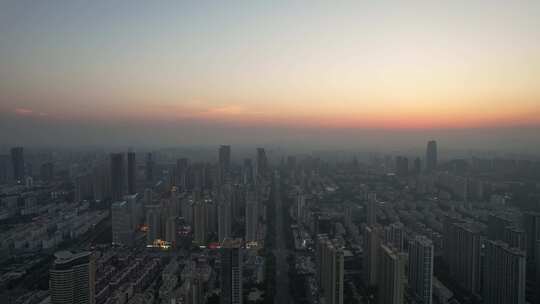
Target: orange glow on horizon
x,y
423,116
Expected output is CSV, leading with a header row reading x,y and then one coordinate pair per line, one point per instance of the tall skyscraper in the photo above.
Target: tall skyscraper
x,y
391,276
371,209
504,274
372,242
331,268
531,224
122,228
153,220
72,278
231,271
462,243
200,222
131,173
117,176
394,235
225,212
515,237
421,269
247,171
431,156
135,208
252,219
300,208
417,165
182,167
320,243
149,168
17,162
224,162
4,168
170,230
101,181
262,162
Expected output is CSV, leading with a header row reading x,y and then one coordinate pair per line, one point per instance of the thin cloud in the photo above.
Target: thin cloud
x,y
23,111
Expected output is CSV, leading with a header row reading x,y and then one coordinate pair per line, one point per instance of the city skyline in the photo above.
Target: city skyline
x,y
270,152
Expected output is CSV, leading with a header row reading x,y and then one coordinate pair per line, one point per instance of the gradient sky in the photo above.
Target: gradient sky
x,y
310,65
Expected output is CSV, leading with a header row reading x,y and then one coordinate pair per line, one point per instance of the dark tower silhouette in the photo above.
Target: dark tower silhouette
x,y
262,162
182,170
224,162
117,176
149,168
17,161
431,156
417,165
131,172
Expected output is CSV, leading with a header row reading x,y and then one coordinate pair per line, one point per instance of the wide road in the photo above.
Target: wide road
x,y
282,274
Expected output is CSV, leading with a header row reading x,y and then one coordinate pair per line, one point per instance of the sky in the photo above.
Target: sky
x,y
184,72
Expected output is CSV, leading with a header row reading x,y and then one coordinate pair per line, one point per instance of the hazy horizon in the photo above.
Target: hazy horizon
x,y
307,74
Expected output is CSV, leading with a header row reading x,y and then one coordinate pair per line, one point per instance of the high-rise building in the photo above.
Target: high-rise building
x,y
72,278
153,220
462,244
247,171
421,269
262,162
170,230
231,271
347,216
131,173
17,162
225,212
330,265
531,225
149,168
117,176
83,187
515,237
300,208
371,209
391,278
252,219
200,222
394,235
504,274
402,166
182,167
372,242
224,162
431,156
135,209
122,228
101,181
417,165
319,245
4,169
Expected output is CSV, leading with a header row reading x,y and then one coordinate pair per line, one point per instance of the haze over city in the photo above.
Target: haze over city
x,y
270,152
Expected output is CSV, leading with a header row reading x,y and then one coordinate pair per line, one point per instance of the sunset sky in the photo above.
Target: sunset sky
x,y
418,65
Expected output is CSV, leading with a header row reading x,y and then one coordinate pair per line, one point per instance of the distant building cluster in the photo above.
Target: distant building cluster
x,y
192,226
